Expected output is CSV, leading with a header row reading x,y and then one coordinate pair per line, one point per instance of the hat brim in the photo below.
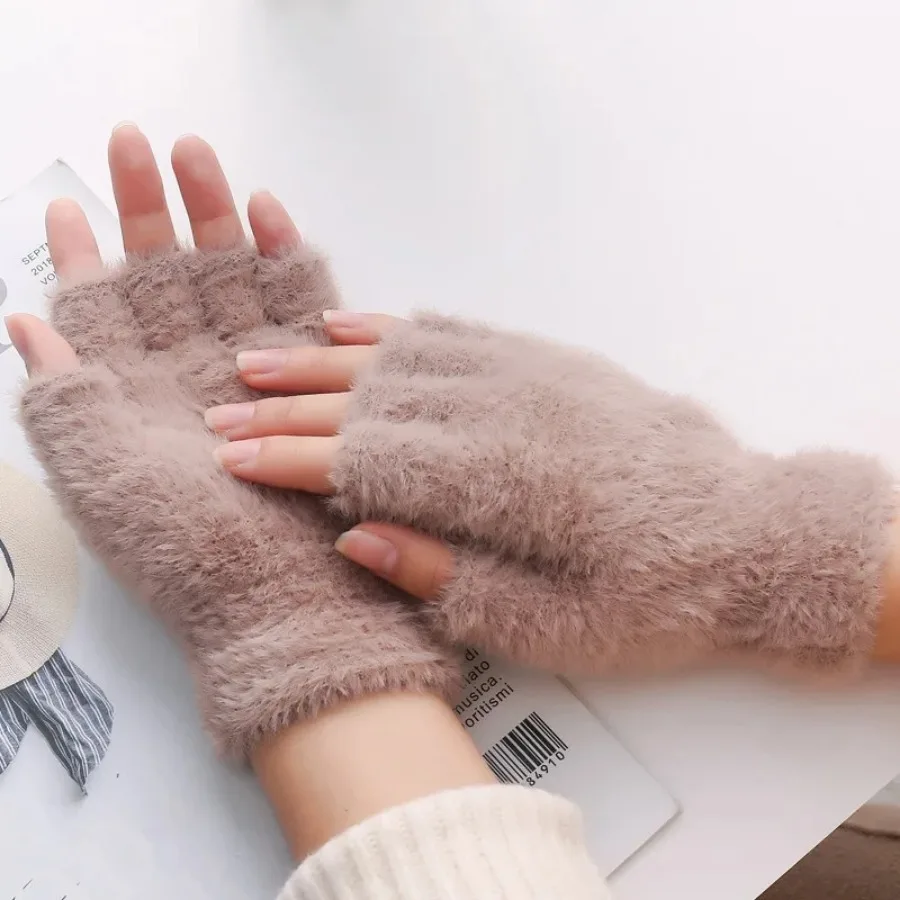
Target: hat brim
x,y
45,558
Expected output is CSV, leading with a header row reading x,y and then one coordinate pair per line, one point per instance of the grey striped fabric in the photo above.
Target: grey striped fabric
x,y
71,712
13,725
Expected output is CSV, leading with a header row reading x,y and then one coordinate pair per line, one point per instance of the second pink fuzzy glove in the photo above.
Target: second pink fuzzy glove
x,y
600,523
276,626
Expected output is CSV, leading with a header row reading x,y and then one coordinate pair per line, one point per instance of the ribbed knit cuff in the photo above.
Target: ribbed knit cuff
x,y
490,843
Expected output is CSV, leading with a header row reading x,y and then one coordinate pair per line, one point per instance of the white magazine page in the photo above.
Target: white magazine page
x,y
533,730
162,817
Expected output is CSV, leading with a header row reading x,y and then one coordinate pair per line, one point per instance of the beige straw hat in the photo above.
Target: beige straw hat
x,y
38,576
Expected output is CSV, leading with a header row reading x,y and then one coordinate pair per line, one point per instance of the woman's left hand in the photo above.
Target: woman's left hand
x,y
293,442
147,228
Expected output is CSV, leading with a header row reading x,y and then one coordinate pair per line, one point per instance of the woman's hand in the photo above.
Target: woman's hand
x,y
146,228
292,441
295,441
368,754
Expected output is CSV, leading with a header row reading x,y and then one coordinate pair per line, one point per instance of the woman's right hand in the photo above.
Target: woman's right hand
x,y
422,565
596,523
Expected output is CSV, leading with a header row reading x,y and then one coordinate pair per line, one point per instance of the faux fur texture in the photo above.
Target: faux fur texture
x,y
601,523
276,625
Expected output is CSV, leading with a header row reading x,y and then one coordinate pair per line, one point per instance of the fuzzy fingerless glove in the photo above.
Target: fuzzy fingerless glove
x,y
601,523
276,626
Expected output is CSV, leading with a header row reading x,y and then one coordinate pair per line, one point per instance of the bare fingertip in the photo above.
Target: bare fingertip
x,y
42,350
186,147
264,204
371,551
343,318
64,207
237,455
271,224
18,334
229,416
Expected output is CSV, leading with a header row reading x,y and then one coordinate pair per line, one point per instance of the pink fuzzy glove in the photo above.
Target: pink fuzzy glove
x,y
600,523
276,625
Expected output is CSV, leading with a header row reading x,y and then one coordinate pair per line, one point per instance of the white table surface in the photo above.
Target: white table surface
x,y
707,191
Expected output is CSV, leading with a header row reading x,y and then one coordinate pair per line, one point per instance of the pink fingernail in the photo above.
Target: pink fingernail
x,y
343,318
369,550
261,362
237,453
223,418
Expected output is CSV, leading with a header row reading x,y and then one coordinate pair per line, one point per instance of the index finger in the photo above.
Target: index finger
x,y
71,242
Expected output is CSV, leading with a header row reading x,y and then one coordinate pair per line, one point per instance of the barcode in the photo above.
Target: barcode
x,y
528,747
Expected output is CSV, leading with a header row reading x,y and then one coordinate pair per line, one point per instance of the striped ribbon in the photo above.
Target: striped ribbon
x,y
71,712
13,725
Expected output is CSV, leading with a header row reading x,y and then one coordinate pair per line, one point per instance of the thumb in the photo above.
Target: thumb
x,y
415,563
41,348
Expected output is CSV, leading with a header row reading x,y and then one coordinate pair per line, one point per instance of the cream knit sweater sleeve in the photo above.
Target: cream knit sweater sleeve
x,y
477,843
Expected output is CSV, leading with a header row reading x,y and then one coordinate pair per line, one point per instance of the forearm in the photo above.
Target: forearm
x,y
381,781
325,775
386,798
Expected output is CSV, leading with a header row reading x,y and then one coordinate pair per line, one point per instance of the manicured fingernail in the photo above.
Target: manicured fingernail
x,y
237,453
343,318
369,550
222,418
125,124
261,362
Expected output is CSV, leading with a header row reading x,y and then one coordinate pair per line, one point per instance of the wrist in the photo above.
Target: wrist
x,y
887,634
359,758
